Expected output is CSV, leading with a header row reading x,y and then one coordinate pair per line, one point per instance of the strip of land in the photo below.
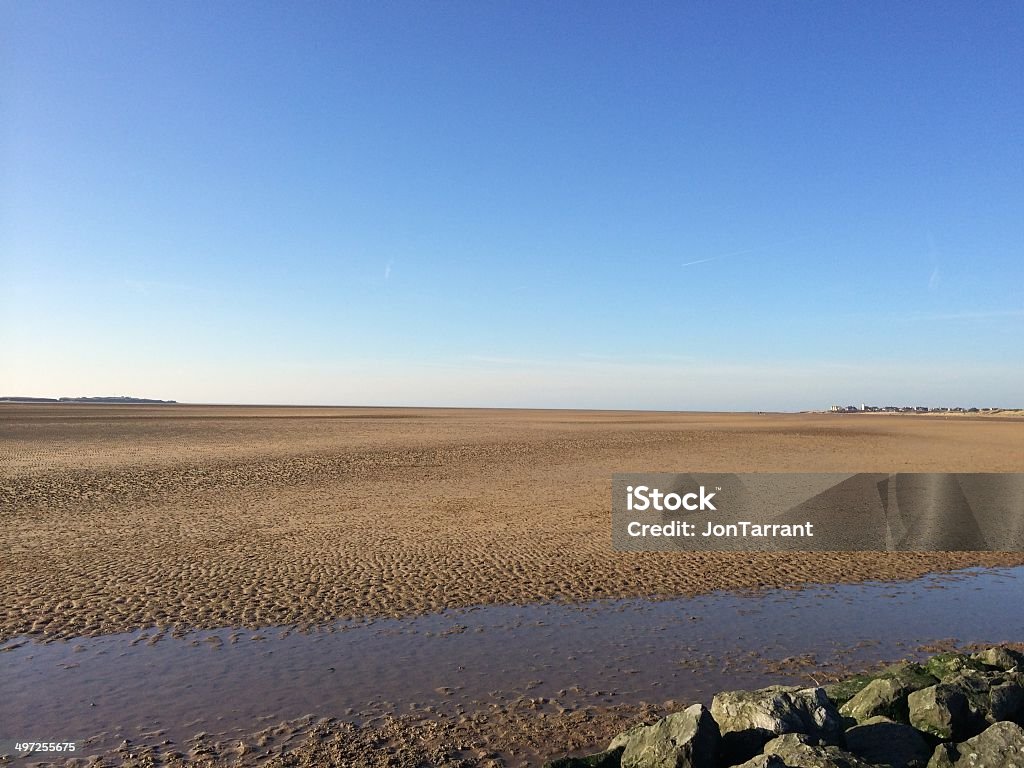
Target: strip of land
x,y
124,516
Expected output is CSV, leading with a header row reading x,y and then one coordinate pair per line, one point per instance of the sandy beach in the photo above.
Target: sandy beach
x,y
186,517
161,521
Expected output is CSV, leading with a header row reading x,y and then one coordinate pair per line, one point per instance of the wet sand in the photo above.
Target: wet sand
x,y
544,662
173,520
186,517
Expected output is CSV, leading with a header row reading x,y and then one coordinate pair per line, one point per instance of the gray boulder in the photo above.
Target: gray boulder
x,y
748,719
882,741
687,739
842,691
913,676
1000,658
619,741
1006,702
991,696
940,710
883,697
947,665
1001,745
797,750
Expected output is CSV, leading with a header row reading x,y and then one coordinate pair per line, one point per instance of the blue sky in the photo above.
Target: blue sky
x,y
659,205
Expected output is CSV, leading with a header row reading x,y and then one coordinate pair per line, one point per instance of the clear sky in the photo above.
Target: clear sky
x,y
680,205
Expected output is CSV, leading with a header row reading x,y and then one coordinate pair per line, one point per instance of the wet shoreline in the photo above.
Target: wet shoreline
x,y
568,656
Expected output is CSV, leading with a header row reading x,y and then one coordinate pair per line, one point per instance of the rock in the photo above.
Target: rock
x,y
885,697
991,696
1000,658
940,710
619,741
798,751
687,739
607,759
748,719
765,761
913,676
947,665
841,692
974,701
1001,745
880,740
1006,702
910,674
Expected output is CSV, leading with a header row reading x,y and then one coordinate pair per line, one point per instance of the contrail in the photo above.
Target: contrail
x,y
698,261
745,251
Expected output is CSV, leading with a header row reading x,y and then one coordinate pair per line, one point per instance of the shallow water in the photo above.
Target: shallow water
x,y
609,652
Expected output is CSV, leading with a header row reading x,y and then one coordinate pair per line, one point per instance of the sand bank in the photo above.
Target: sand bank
x,y
123,517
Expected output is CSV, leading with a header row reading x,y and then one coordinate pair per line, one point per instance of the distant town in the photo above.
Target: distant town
x,y
113,399
864,408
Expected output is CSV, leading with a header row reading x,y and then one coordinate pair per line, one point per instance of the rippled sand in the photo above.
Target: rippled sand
x,y
119,517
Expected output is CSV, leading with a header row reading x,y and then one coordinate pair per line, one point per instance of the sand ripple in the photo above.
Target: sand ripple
x,y
117,518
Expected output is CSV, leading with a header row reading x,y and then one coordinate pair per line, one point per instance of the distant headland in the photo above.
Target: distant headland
x,y
113,399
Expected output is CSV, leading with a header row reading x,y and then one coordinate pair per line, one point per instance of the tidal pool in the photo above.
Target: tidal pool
x,y
130,686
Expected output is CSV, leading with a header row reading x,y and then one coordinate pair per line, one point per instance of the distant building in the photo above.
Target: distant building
x,y
865,408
